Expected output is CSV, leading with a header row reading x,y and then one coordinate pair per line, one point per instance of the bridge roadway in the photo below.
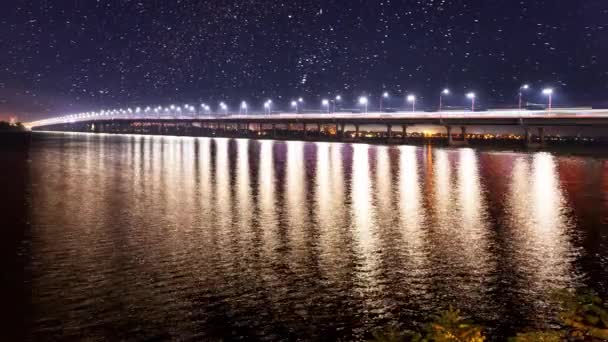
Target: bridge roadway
x,y
200,125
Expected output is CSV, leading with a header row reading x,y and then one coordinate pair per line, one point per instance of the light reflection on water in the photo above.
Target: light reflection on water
x,y
199,238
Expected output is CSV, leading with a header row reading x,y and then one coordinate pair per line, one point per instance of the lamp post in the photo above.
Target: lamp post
x,y
443,93
268,106
384,96
224,107
548,92
244,107
471,96
412,99
325,103
294,104
338,99
521,90
363,101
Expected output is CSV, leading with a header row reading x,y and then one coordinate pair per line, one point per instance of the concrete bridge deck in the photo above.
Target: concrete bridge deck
x,y
305,123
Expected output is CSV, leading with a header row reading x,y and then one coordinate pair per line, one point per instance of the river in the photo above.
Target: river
x,y
151,238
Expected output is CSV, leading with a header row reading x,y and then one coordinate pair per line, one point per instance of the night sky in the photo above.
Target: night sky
x,y
67,56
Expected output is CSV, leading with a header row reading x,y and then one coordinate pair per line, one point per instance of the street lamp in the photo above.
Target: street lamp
x,y
521,90
224,107
443,93
267,106
412,99
294,104
244,107
471,96
384,96
548,92
338,99
363,101
325,103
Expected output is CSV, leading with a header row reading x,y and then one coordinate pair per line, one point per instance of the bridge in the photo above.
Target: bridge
x,y
330,125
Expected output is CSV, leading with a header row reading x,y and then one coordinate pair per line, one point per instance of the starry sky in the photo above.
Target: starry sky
x,y
67,56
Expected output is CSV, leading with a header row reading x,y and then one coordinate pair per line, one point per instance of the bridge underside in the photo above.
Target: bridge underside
x,y
526,131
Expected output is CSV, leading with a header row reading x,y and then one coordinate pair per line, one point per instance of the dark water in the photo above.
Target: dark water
x,y
138,237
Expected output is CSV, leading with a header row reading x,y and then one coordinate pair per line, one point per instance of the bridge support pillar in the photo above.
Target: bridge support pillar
x,y
403,132
449,133
356,131
341,131
541,136
389,132
305,130
274,130
463,130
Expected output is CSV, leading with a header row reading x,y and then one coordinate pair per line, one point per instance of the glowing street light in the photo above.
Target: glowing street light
x,y
294,104
548,92
325,103
363,101
384,96
337,99
244,107
521,90
443,93
471,96
412,99
267,106
224,107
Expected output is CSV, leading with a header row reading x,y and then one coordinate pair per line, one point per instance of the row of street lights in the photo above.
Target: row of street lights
x,y
411,98
297,105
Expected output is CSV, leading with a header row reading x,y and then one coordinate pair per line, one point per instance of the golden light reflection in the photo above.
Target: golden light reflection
x,y
442,189
472,228
411,211
384,194
548,222
323,194
364,219
267,200
222,183
330,211
361,197
295,195
243,185
471,205
541,250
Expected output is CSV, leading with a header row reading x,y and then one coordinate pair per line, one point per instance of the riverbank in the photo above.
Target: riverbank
x,y
15,139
